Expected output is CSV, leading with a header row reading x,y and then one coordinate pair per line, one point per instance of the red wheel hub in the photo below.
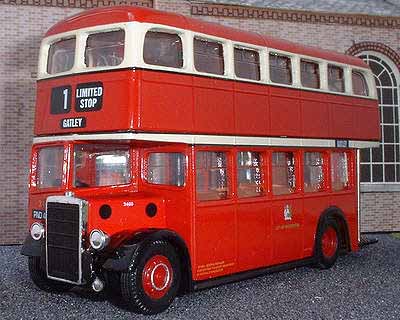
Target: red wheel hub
x,y
329,242
157,277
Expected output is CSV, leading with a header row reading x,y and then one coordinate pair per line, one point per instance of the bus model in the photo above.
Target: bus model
x,y
172,154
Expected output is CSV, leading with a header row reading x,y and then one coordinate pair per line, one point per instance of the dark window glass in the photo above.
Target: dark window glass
x,y
387,96
377,154
280,68
105,49
360,86
249,175
61,56
389,152
365,155
166,168
388,131
398,173
377,173
376,68
208,56
389,173
309,74
163,49
388,116
365,173
283,173
211,175
247,64
335,78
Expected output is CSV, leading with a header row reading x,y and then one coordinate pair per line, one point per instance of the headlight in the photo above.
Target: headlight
x,y
98,239
37,231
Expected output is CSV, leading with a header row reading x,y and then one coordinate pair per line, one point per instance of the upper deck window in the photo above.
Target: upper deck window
x,y
360,86
280,68
335,78
105,49
247,64
61,56
163,49
208,56
309,74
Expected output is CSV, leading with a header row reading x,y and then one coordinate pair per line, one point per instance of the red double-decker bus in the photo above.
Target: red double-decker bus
x,y
172,154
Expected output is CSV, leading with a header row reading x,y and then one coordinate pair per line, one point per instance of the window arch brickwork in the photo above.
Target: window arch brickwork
x,y
375,46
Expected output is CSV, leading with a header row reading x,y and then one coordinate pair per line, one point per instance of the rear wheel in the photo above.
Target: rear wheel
x,y
152,281
39,278
327,244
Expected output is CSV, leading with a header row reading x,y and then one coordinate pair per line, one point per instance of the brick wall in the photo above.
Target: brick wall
x,y
22,28
23,23
380,211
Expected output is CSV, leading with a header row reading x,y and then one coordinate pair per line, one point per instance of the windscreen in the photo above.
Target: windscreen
x,y
97,165
50,167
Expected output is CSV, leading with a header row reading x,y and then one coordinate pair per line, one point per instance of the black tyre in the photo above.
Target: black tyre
x,y
152,281
39,278
327,244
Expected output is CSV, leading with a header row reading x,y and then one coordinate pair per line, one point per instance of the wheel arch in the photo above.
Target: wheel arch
x,y
337,214
138,242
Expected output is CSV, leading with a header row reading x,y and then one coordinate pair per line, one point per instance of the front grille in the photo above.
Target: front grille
x,y
64,241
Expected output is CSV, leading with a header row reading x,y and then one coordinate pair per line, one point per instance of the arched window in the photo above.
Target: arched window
x,y
382,165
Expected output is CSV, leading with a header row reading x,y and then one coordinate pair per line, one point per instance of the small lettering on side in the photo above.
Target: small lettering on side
x,y
38,214
70,123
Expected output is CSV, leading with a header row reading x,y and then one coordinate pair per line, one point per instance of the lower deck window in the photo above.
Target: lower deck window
x,y
283,173
211,175
166,168
339,171
249,175
314,179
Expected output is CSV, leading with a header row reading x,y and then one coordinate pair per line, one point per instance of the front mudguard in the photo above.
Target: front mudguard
x,y
33,248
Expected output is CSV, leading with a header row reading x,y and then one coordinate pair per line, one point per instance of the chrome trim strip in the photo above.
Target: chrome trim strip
x,y
82,206
208,139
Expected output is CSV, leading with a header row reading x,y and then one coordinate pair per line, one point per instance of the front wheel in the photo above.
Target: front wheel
x,y
152,280
39,278
327,244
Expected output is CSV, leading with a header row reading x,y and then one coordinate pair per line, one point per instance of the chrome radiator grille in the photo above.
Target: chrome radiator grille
x,y
64,239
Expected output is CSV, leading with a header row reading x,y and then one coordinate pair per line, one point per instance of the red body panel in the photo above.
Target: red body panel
x,y
150,101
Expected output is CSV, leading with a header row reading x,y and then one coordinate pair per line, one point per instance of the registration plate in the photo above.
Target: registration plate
x,y
38,214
